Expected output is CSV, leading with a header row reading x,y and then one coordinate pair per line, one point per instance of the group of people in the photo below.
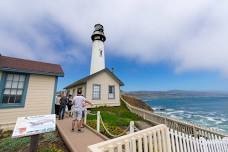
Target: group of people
x,y
78,102
61,102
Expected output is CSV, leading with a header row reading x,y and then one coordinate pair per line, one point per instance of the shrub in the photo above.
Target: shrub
x,y
50,137
51,148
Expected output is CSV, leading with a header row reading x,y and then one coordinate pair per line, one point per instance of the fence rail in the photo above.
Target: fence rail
x,y
180,126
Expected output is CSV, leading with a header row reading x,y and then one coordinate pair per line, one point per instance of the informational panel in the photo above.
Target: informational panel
x,y
32,125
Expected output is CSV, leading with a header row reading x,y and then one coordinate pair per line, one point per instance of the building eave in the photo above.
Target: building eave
x,y
31,72
12,64
85,79
74,85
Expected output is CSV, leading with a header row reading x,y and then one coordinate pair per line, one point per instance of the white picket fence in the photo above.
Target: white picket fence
x,y
160,139
147,140
181,142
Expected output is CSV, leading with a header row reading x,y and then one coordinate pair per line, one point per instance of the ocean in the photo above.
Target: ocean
x,y
206,111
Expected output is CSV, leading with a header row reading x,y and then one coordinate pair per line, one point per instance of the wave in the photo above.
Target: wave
x,y
209,112
199,117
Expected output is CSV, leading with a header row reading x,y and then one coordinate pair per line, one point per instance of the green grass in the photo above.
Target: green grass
x,y
47,143
8,144
115,118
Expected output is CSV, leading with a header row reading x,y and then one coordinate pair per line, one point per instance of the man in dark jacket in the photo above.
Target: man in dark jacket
x,y
69,104
63,103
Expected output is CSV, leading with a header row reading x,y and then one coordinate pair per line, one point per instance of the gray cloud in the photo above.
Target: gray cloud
x,y
191,35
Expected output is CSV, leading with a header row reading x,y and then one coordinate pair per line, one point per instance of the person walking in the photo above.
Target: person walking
x,y
57,104
69,104
63,102
78,102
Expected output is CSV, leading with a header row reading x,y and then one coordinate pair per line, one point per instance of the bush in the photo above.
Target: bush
x,y
50,137
4,134
51,148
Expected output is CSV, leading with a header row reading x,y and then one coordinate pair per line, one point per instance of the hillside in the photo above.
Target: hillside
x,y
175,94
136,102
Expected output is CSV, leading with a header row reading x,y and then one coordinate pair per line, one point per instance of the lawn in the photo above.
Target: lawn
x,y
116,119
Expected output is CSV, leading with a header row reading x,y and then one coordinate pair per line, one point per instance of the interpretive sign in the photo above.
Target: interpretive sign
x,y
33,125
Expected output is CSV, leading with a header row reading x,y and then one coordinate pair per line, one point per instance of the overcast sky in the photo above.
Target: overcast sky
x,y
183,37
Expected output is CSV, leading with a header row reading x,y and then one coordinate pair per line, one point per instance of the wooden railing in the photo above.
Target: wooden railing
x,y
147,140
178,125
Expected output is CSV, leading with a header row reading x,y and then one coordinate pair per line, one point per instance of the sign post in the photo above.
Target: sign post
x,y
34,143
33,126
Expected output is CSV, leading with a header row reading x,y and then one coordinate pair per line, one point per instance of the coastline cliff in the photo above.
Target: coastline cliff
x,y
136,102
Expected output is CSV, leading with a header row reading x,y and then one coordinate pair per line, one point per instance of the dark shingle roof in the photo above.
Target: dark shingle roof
x,y
84,80
29,66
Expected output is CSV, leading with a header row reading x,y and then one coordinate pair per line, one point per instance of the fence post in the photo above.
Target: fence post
x,y
85,118
168,140
165,121
194,131
132,127
98,121
204,142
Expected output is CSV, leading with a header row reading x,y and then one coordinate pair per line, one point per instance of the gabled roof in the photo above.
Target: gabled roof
x,y
29,66
85,79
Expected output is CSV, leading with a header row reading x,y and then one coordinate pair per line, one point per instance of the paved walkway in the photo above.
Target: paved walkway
x,y
77,142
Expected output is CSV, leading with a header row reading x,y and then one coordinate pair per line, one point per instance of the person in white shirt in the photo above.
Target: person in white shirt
x,y
78,104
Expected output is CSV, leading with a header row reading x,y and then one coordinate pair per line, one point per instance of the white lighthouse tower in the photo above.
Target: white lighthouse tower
x,y
98,55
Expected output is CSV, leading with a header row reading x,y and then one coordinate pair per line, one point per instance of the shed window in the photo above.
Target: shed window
x,y
101,53
13,89
96,91
111,92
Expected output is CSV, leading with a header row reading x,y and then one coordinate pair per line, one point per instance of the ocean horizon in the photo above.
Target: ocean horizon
x,y
210,112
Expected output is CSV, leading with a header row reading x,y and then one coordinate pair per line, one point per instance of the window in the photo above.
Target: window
x,y
96,91
101,53
73,92
111,92
79,90
13,89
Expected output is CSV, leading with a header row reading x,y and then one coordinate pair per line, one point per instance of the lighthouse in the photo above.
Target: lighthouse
x,y
101,86
98,54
